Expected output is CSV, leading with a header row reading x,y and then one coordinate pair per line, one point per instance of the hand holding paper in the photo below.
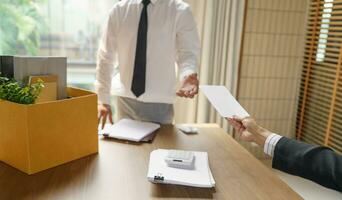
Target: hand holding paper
x,y
223,101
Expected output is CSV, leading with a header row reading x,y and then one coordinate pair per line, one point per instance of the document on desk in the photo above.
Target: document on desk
x,y
128,129
159,172
223,101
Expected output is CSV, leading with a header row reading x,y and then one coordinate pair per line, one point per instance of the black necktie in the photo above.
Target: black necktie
x,y
139,74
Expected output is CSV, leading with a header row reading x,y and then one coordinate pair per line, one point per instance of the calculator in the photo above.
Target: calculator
x,y
180,159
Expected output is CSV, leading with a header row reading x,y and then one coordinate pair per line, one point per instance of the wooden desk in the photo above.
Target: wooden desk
x,y
119,172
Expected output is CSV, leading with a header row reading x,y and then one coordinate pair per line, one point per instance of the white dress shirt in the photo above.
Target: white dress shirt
x,y
271,143
172,38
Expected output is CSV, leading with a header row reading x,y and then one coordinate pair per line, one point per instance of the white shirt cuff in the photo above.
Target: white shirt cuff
x,y
186,72
103,98
270,144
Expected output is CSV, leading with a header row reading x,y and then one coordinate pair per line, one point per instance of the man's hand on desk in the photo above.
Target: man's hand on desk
x,y
189,87
249,131
104,112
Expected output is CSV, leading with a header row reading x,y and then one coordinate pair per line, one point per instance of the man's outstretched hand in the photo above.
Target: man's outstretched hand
x,y
104,112
189,87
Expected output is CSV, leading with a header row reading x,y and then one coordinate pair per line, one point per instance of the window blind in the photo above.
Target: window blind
x,y
319,116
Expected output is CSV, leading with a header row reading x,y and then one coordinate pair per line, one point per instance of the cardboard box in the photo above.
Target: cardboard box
x,y
40,136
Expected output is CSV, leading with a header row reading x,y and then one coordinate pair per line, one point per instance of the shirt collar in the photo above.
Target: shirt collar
x,y
152,1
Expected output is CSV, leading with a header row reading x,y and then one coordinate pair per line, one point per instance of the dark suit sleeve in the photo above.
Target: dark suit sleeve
x,y
317,163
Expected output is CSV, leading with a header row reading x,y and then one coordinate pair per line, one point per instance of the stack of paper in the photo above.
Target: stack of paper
x,y
49,92
159,172
128,129
223,101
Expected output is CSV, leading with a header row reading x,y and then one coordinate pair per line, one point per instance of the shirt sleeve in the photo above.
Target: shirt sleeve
x,y
187,43
316,163
270,144
106,59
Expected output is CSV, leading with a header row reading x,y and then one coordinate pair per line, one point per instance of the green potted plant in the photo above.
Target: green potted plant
x,y
10,90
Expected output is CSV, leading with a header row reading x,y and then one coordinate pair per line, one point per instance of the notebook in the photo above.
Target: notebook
x,y
159,172
6,66
128,129
223,101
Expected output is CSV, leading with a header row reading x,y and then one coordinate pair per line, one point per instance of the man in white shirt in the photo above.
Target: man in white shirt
x,y
145,38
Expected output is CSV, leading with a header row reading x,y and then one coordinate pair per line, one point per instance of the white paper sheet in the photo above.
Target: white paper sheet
x,y
128,129
223,101
201,176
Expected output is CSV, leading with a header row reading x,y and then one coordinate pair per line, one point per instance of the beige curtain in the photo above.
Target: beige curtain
x,y
220,25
